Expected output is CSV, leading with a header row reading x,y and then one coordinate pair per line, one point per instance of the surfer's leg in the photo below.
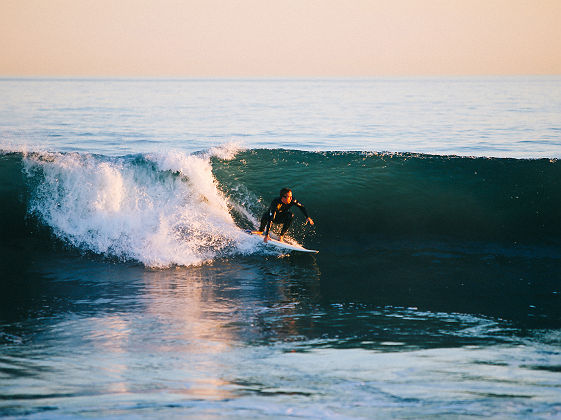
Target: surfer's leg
x,y
286,219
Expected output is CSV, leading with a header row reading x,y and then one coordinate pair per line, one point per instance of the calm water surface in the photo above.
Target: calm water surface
x,y
473,116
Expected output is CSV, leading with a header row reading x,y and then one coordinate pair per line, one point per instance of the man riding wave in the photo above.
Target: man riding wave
x,y
279,213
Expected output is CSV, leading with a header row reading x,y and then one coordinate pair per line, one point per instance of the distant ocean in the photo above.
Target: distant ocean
x,y
129,289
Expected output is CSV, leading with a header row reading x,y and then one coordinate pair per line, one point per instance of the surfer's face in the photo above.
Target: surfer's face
x,y
287,198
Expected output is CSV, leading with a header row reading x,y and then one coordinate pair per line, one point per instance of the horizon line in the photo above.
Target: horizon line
x,y
273,77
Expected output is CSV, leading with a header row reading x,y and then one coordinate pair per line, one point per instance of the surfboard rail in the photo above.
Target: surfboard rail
x,y
281,244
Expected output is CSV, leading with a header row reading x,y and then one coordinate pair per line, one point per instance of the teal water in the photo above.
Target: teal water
x,y
129,289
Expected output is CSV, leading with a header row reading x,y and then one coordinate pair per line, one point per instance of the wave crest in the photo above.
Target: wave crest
x,y
162,209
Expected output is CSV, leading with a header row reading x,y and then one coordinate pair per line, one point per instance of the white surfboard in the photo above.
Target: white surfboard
x,y
285,245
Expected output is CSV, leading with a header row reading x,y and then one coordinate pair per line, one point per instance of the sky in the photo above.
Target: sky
x,y
281,38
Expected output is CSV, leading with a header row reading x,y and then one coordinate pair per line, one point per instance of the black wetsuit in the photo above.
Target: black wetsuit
x,y
280,213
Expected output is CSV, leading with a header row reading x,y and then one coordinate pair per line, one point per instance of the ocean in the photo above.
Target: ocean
x,y
129,288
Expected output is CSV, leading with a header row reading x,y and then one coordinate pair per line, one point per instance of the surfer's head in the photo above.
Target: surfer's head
x,y
286,195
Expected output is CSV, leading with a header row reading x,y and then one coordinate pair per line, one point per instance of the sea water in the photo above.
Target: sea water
x,y
128,288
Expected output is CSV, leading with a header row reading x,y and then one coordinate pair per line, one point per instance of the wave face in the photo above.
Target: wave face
x,y
355,197
185,209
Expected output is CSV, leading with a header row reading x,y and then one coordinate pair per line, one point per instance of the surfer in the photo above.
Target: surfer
x,y
279,213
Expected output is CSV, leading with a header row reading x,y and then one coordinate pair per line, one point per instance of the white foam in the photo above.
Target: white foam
x,y
163,210
227,151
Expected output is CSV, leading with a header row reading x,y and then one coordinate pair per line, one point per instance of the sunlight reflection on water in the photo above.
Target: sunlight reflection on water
x,y
253,338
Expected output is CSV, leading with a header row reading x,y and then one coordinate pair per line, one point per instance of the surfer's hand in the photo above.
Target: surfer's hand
x,y
310,221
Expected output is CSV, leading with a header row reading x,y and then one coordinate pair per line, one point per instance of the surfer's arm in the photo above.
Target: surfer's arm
x,y
271,215
266,236
304,211
268,227
301,207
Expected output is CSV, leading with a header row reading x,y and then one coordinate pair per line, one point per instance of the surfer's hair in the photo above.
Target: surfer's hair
x,y
284,191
